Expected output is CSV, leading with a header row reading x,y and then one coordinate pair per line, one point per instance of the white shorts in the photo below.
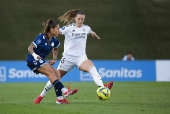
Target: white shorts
x,y
68,62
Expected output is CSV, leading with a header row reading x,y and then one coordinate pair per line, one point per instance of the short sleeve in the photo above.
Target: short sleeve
x,y
57,43
125,58
132,58
89,30
64,29
37,40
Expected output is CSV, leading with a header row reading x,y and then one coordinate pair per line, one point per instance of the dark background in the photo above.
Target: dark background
x,y
139,26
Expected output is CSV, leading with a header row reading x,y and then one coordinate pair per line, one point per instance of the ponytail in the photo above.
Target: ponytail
x,y
48,25
70,15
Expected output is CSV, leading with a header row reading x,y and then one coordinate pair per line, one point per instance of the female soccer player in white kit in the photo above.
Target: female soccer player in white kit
x,y
74,49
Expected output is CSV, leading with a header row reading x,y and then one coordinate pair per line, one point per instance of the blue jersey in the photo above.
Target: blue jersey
x,y
42,48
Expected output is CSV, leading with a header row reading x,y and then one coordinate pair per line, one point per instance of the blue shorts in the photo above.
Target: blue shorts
x,y
34,65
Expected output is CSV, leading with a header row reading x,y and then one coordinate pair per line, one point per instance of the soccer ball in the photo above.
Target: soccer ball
x,y
103,93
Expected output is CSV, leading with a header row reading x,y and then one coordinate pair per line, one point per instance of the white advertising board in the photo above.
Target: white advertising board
x,y
163,70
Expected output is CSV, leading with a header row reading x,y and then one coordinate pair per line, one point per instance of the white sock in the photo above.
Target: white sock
x,y
47,87
60,97
96,77
64,90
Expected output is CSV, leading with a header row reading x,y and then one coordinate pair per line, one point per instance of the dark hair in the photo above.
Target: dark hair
x,y
70,15
48,25
130,53
80,12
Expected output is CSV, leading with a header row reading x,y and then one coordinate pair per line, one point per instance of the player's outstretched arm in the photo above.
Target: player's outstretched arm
x,y
94,35
31,51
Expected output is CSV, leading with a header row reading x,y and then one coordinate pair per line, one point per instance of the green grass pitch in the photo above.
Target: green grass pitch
x,y
126,98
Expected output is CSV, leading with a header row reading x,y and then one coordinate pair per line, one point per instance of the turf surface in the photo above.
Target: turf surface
x,y
126,98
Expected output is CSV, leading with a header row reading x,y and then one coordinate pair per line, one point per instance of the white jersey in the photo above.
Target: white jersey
x,y
75,39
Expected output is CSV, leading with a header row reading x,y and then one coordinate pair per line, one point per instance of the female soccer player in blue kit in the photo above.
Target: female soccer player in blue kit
x,y
74,49
38,50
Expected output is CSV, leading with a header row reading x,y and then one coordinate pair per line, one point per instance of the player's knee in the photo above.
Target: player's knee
x,y
50,74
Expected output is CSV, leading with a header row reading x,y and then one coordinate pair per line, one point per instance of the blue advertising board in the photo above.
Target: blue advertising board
x,y
123,71
17,71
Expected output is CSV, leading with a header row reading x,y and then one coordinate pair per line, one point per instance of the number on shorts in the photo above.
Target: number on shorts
x,y
63,60
35,62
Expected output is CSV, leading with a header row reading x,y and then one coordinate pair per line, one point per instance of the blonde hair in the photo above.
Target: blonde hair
x,y
69,16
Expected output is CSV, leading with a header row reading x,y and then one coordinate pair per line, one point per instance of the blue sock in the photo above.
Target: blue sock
x,y
57,87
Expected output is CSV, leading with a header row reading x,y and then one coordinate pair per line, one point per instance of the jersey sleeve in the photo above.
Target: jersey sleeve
x,y
57,43
89,30
125,58
132,58
64,29
37,40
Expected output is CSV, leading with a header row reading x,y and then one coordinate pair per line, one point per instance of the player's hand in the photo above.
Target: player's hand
x,y
38,57
52,62
94,35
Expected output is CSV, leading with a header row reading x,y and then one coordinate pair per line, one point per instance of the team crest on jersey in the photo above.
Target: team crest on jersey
x,y
52,44
83,29
63,28
38,41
